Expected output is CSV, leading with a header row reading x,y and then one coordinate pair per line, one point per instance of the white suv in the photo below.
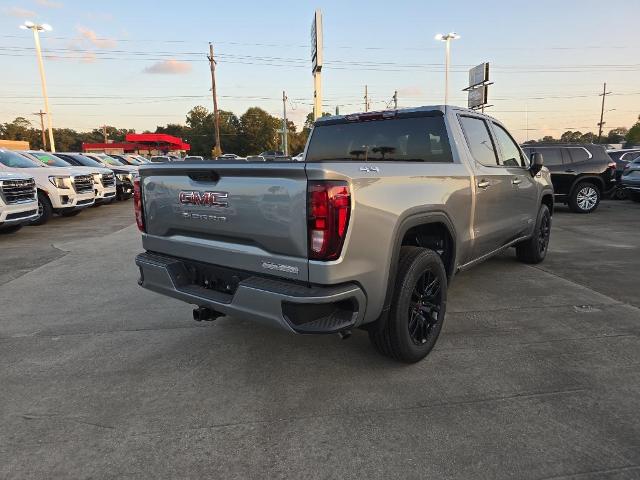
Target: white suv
x,y
104,181
60,190
18,202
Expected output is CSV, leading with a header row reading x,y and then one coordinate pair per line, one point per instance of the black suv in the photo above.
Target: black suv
x,y
581,172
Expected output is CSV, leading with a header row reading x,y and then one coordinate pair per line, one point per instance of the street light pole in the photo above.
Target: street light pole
x,y
447,62
37,28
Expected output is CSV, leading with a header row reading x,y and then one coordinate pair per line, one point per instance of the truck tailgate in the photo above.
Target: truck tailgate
x,y
247,216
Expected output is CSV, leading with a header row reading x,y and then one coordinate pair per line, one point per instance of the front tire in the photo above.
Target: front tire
x,y
10,229
69,213
417,309
585,198
534,249
45,210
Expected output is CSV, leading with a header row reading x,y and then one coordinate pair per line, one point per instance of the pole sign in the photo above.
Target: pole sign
x,y
478,89
479,75
477,97
316,42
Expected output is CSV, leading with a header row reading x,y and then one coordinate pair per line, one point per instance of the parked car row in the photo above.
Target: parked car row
x,y
35,185
582,174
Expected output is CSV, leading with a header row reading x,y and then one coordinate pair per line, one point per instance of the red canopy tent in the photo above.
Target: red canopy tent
x,y
154,143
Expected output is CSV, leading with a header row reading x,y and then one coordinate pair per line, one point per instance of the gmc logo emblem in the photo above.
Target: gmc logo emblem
x,y
207,199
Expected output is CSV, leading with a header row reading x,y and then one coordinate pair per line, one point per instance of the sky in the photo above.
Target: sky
x,y
138,64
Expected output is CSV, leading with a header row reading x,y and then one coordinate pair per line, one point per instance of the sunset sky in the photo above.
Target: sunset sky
x,y
138,64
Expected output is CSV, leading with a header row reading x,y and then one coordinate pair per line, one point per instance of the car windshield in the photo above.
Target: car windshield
x,y
50,160
132,160
110,160
14,160
87,162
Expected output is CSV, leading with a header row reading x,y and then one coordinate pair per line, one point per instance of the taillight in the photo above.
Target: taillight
x,y
137,203
329,209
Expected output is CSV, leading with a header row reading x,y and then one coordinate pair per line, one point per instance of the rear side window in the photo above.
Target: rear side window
x,y
479,140
579,154
418,139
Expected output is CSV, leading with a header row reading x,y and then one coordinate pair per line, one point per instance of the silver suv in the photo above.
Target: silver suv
x,y
366,232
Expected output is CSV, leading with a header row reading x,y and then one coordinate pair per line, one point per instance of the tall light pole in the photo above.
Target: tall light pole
x,y
447,39
37,28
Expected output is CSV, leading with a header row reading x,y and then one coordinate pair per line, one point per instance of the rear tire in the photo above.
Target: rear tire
x,y
417,308
45,210
584,198
534,249
620,194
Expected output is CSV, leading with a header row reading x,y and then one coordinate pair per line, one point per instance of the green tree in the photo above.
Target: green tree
x,y
616,135
633,136
259,131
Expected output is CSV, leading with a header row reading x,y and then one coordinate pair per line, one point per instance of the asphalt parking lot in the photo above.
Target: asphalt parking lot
x,y
535,376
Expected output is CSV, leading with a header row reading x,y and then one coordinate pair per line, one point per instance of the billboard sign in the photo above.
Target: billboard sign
x,y
479,75
478,96
316,42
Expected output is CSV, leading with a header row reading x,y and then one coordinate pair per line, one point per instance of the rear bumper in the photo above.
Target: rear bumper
x,y
279,303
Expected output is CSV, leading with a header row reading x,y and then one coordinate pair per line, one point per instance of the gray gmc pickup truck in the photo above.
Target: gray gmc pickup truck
x,y
367,232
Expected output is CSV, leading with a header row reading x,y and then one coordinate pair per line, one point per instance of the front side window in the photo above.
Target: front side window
x,y
476,131
550,156
511,156
417,139
14,160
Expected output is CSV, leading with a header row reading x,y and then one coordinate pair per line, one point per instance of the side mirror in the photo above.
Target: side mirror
x,y
536,163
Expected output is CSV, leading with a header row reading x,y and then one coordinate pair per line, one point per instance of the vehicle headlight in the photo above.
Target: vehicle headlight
x,y
60,182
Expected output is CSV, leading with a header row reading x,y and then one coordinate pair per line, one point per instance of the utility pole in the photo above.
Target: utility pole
x,y
216,116
601,124
285,146
104,133
366,99
41,114
395,100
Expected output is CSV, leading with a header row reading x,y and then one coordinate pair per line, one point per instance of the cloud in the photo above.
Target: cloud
x,y
168,67
411,91
49,4
99,16
88,57
19,12
93,38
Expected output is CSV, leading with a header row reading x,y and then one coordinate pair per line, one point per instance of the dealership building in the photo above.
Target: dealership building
x,y
143,144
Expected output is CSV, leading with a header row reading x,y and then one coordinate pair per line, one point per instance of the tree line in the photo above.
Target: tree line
x,y
249,134
620,135
253,132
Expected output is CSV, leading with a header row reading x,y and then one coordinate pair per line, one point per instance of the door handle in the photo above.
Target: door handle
x,y
570,171
483,184
516,181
